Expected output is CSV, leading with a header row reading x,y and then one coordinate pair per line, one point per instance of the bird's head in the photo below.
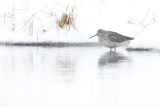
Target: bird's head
x,y
99,31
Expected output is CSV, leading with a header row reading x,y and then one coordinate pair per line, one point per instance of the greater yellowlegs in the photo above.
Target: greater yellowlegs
x,y
112,39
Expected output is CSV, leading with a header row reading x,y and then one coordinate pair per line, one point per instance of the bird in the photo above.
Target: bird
x,y
112,39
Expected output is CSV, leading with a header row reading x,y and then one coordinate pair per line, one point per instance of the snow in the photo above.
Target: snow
x,y
148,39
125,17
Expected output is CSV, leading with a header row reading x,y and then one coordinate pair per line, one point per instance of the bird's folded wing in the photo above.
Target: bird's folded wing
x,y
115,37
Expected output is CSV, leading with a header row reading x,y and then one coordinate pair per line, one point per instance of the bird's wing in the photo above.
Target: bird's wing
x,y
115,37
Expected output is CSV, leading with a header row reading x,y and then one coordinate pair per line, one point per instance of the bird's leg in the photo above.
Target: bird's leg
x,y
114,49
110,49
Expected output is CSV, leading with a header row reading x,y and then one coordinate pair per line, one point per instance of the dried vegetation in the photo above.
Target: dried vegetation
x,y
67,20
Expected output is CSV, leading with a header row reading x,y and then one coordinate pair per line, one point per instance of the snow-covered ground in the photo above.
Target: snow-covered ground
x,y
150,38
35,21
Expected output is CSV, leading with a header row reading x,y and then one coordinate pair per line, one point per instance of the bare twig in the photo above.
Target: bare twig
x,y
145,16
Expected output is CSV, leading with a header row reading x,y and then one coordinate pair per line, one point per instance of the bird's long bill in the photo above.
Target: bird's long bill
x,y
92,36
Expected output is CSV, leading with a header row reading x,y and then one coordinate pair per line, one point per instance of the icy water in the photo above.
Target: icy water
x,y
78,77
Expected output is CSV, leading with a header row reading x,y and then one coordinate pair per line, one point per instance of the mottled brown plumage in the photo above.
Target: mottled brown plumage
x,y
115,37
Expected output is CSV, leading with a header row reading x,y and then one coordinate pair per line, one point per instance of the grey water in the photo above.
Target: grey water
x,y
78,77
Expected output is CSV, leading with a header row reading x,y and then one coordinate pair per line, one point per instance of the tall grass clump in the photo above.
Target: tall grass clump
x,y
67,20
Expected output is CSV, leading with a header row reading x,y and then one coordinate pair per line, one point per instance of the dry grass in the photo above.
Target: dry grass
x,y
66,21
146,21
30,22
6,15
10,15
30,30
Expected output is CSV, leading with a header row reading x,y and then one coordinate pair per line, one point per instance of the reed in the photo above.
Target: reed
x,y
67,20
30,23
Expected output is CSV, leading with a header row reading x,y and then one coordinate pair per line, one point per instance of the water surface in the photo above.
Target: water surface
x,y
78,77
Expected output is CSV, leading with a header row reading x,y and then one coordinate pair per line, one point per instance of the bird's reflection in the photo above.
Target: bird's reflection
x,y
111,58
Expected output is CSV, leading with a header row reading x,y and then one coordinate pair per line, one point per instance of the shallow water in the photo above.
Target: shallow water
x,y
78,77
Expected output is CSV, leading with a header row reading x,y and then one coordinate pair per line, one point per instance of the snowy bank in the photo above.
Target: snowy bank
x,y
26,22
149,39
